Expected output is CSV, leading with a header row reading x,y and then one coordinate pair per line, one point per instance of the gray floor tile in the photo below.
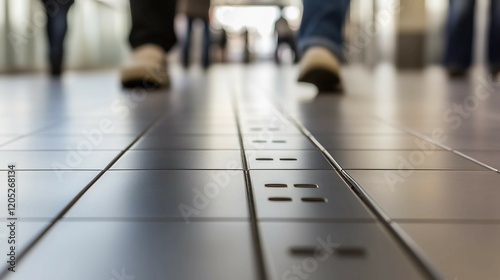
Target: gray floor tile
x,y
461,251
491,158
287,160
200,129
433,195
94,142
57,160
339,251
176,142
183,194
373,142
44,194
185,159
403,160
143,250
324,192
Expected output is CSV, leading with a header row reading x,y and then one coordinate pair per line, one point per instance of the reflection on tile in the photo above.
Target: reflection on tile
x,y
186,159
176,142
373,142
462,251
433,195
143,250
88,142
44,194
403,160
57,160
183,194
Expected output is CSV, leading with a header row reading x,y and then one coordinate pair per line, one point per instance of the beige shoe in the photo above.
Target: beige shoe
x,y
322,69
146,68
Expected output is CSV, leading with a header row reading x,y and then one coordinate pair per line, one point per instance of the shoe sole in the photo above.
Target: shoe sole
x,y
143,83
326,81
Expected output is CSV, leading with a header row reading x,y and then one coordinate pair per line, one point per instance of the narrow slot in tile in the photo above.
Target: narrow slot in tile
x,y
279,141
273,129
259,141
276,185
315,199
288,159
279,199
256,129
350,252
302,251
306,186
264,159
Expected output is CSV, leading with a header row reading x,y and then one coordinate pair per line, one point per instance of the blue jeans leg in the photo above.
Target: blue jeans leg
x,y
460,34
205,57
322,25
494,36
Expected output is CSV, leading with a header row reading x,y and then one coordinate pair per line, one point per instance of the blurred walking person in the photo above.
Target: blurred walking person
x,y
196,10
57,27
460,37
284,35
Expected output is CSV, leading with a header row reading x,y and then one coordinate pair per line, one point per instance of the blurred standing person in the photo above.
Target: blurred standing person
x,y
321,43
460,37
284,35
196,9
57,26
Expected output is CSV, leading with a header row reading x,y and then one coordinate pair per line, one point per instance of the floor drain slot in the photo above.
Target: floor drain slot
x,y
350,252
256,129
288,159
280,199
264,159
259,141
315,199
279,141
276,185
306,186
302,251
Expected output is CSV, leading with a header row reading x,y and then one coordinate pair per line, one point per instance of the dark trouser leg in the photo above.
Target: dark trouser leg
x,y
57,26
460,35
186,47
153,23
205,58
494,37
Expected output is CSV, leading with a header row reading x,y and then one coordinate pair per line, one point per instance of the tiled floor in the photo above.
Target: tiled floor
x,y
240,173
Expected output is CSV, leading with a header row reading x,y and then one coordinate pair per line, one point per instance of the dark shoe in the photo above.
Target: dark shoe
x,y
457,72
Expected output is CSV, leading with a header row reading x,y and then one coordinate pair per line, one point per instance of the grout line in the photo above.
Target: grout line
x,y
250,196
81,193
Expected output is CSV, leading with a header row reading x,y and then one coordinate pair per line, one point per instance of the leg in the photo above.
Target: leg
x,y
186,47
322,25
276,51
57,26
153,23
494,38
460,35
206,44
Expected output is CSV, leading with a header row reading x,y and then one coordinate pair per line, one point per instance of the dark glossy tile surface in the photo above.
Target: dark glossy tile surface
x,y
433,195
403,160
176,142
185,159
374,142
463,251
145,250
183,194
44,194
57,160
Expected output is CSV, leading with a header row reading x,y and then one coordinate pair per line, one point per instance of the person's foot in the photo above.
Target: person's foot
x,y
146,68
321,68
495,73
